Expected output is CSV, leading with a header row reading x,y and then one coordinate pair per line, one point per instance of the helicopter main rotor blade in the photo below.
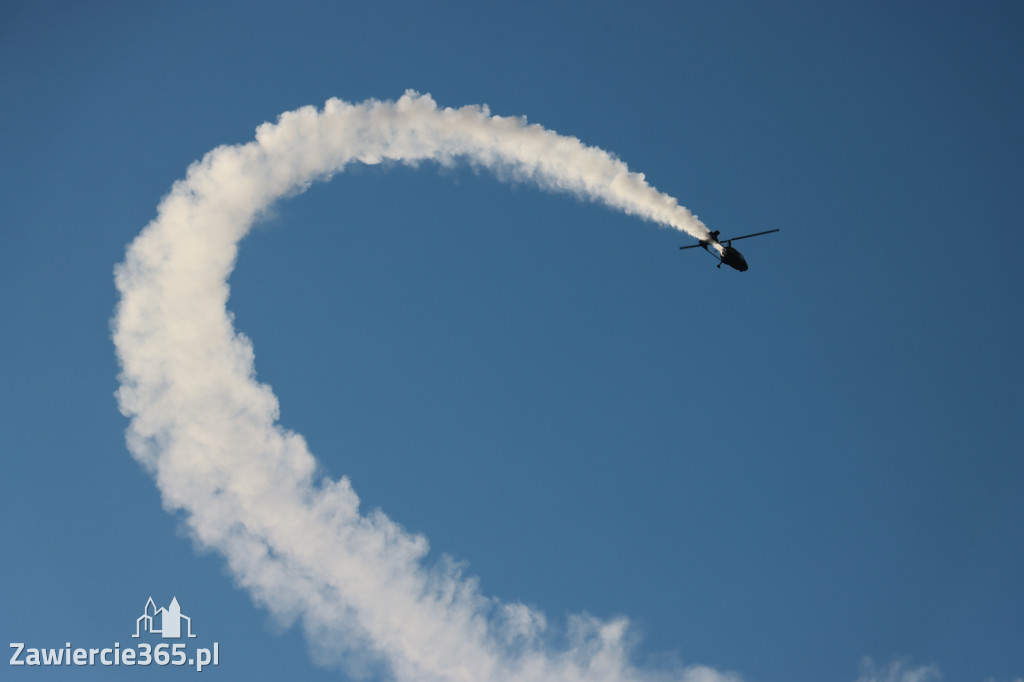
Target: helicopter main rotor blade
x,y
691,246
756,234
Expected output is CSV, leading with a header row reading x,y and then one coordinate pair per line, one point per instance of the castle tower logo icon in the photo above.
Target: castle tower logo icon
x,y
168,620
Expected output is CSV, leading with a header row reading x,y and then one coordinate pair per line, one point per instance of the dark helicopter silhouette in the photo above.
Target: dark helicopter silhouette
x,y
724,251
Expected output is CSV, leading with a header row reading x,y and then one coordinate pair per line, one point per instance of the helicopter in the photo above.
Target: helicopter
x,y
725,252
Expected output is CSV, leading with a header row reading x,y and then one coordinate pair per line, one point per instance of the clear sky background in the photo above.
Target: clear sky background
x,y
778,472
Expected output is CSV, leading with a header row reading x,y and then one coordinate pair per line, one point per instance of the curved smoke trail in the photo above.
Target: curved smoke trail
x,y
207,429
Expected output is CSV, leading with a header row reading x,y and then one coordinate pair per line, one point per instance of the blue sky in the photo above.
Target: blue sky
x,y
776,473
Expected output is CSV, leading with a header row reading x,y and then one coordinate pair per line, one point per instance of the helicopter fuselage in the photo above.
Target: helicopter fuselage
x,y
733,258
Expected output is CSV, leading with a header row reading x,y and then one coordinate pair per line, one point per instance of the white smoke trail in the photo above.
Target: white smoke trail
x,y
248,487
